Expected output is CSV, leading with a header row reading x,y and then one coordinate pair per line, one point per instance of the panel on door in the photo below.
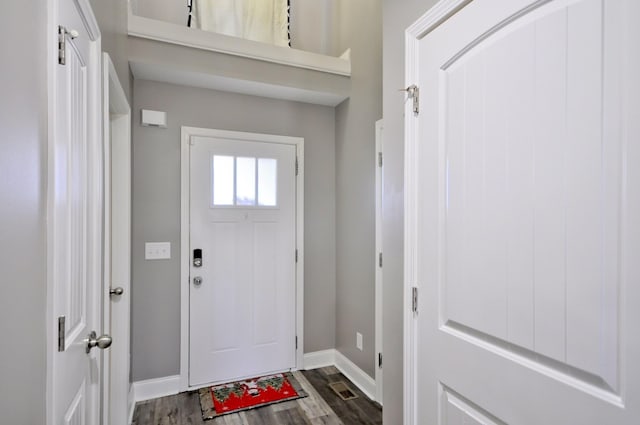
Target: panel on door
x,y
522,216
242,305
73,243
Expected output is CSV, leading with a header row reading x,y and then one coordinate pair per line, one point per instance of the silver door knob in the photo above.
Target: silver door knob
x,y
102,341
197,280
116,291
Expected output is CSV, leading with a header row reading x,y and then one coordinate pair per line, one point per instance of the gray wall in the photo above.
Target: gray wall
x,y
397,16
112,19
311,20
360,23
156,210
23,150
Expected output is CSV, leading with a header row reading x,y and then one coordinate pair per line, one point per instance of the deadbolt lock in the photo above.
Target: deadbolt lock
x,y
197,257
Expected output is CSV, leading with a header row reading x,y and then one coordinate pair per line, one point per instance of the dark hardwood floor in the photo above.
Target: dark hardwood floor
x,y
322,406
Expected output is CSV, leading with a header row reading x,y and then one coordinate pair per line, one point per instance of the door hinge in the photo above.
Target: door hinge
x,y
380,159
379,360
62,41
414,93
380,260
296,255
296,342
414,299
297,169
61,333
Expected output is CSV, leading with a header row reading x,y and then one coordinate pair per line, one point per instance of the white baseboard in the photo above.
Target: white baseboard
x,y
356,375
154,388
131,402
318,359
349,369
170,385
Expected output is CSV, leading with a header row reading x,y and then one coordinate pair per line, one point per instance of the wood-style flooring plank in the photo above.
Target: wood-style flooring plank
x,y
143,413
189,409
166,411
357,411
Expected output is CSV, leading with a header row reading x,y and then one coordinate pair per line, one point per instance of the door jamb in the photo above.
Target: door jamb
x,y
433,18
186,134
378,261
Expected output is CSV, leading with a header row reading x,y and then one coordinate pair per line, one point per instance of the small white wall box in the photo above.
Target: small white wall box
x,y
154,118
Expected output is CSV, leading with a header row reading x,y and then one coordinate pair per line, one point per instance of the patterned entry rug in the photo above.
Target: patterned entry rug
x,y
249,394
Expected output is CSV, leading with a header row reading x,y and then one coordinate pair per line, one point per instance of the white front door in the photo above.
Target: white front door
x,y
523,214
242,229
74,220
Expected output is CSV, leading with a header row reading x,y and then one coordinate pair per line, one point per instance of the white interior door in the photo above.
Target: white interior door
x,y
524,203
117,228
75,256
242,219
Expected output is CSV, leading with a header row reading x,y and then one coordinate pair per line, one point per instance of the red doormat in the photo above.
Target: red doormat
x,y
248,394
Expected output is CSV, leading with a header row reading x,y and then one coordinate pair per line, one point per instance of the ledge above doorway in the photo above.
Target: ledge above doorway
x,y
166,52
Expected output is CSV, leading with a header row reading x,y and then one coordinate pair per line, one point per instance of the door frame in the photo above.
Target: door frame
x,y
379,197
185,168
117,230
94,189
438,14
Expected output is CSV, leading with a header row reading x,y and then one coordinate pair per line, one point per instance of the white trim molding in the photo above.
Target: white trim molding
x,y
185,167
439,13
171,385
333,357
435,16
132,402
88,18
155,388
378,163
317,359
356,375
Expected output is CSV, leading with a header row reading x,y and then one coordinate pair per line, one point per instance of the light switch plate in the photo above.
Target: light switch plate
x,y
157,250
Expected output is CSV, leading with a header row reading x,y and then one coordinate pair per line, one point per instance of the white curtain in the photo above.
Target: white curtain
x,y
259,20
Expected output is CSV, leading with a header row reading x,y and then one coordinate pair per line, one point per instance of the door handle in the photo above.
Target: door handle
x,y
102,341
116,291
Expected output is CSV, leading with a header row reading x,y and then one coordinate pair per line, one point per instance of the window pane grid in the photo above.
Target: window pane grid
x,y
244,181
267,187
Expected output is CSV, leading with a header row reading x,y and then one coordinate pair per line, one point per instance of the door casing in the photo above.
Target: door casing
x,y
378,262
186,134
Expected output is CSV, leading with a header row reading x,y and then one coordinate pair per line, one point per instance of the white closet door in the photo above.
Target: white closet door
x,y
527,206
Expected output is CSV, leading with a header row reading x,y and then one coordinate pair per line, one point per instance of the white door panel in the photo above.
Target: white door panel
x,y
521,209
242,315
74,243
